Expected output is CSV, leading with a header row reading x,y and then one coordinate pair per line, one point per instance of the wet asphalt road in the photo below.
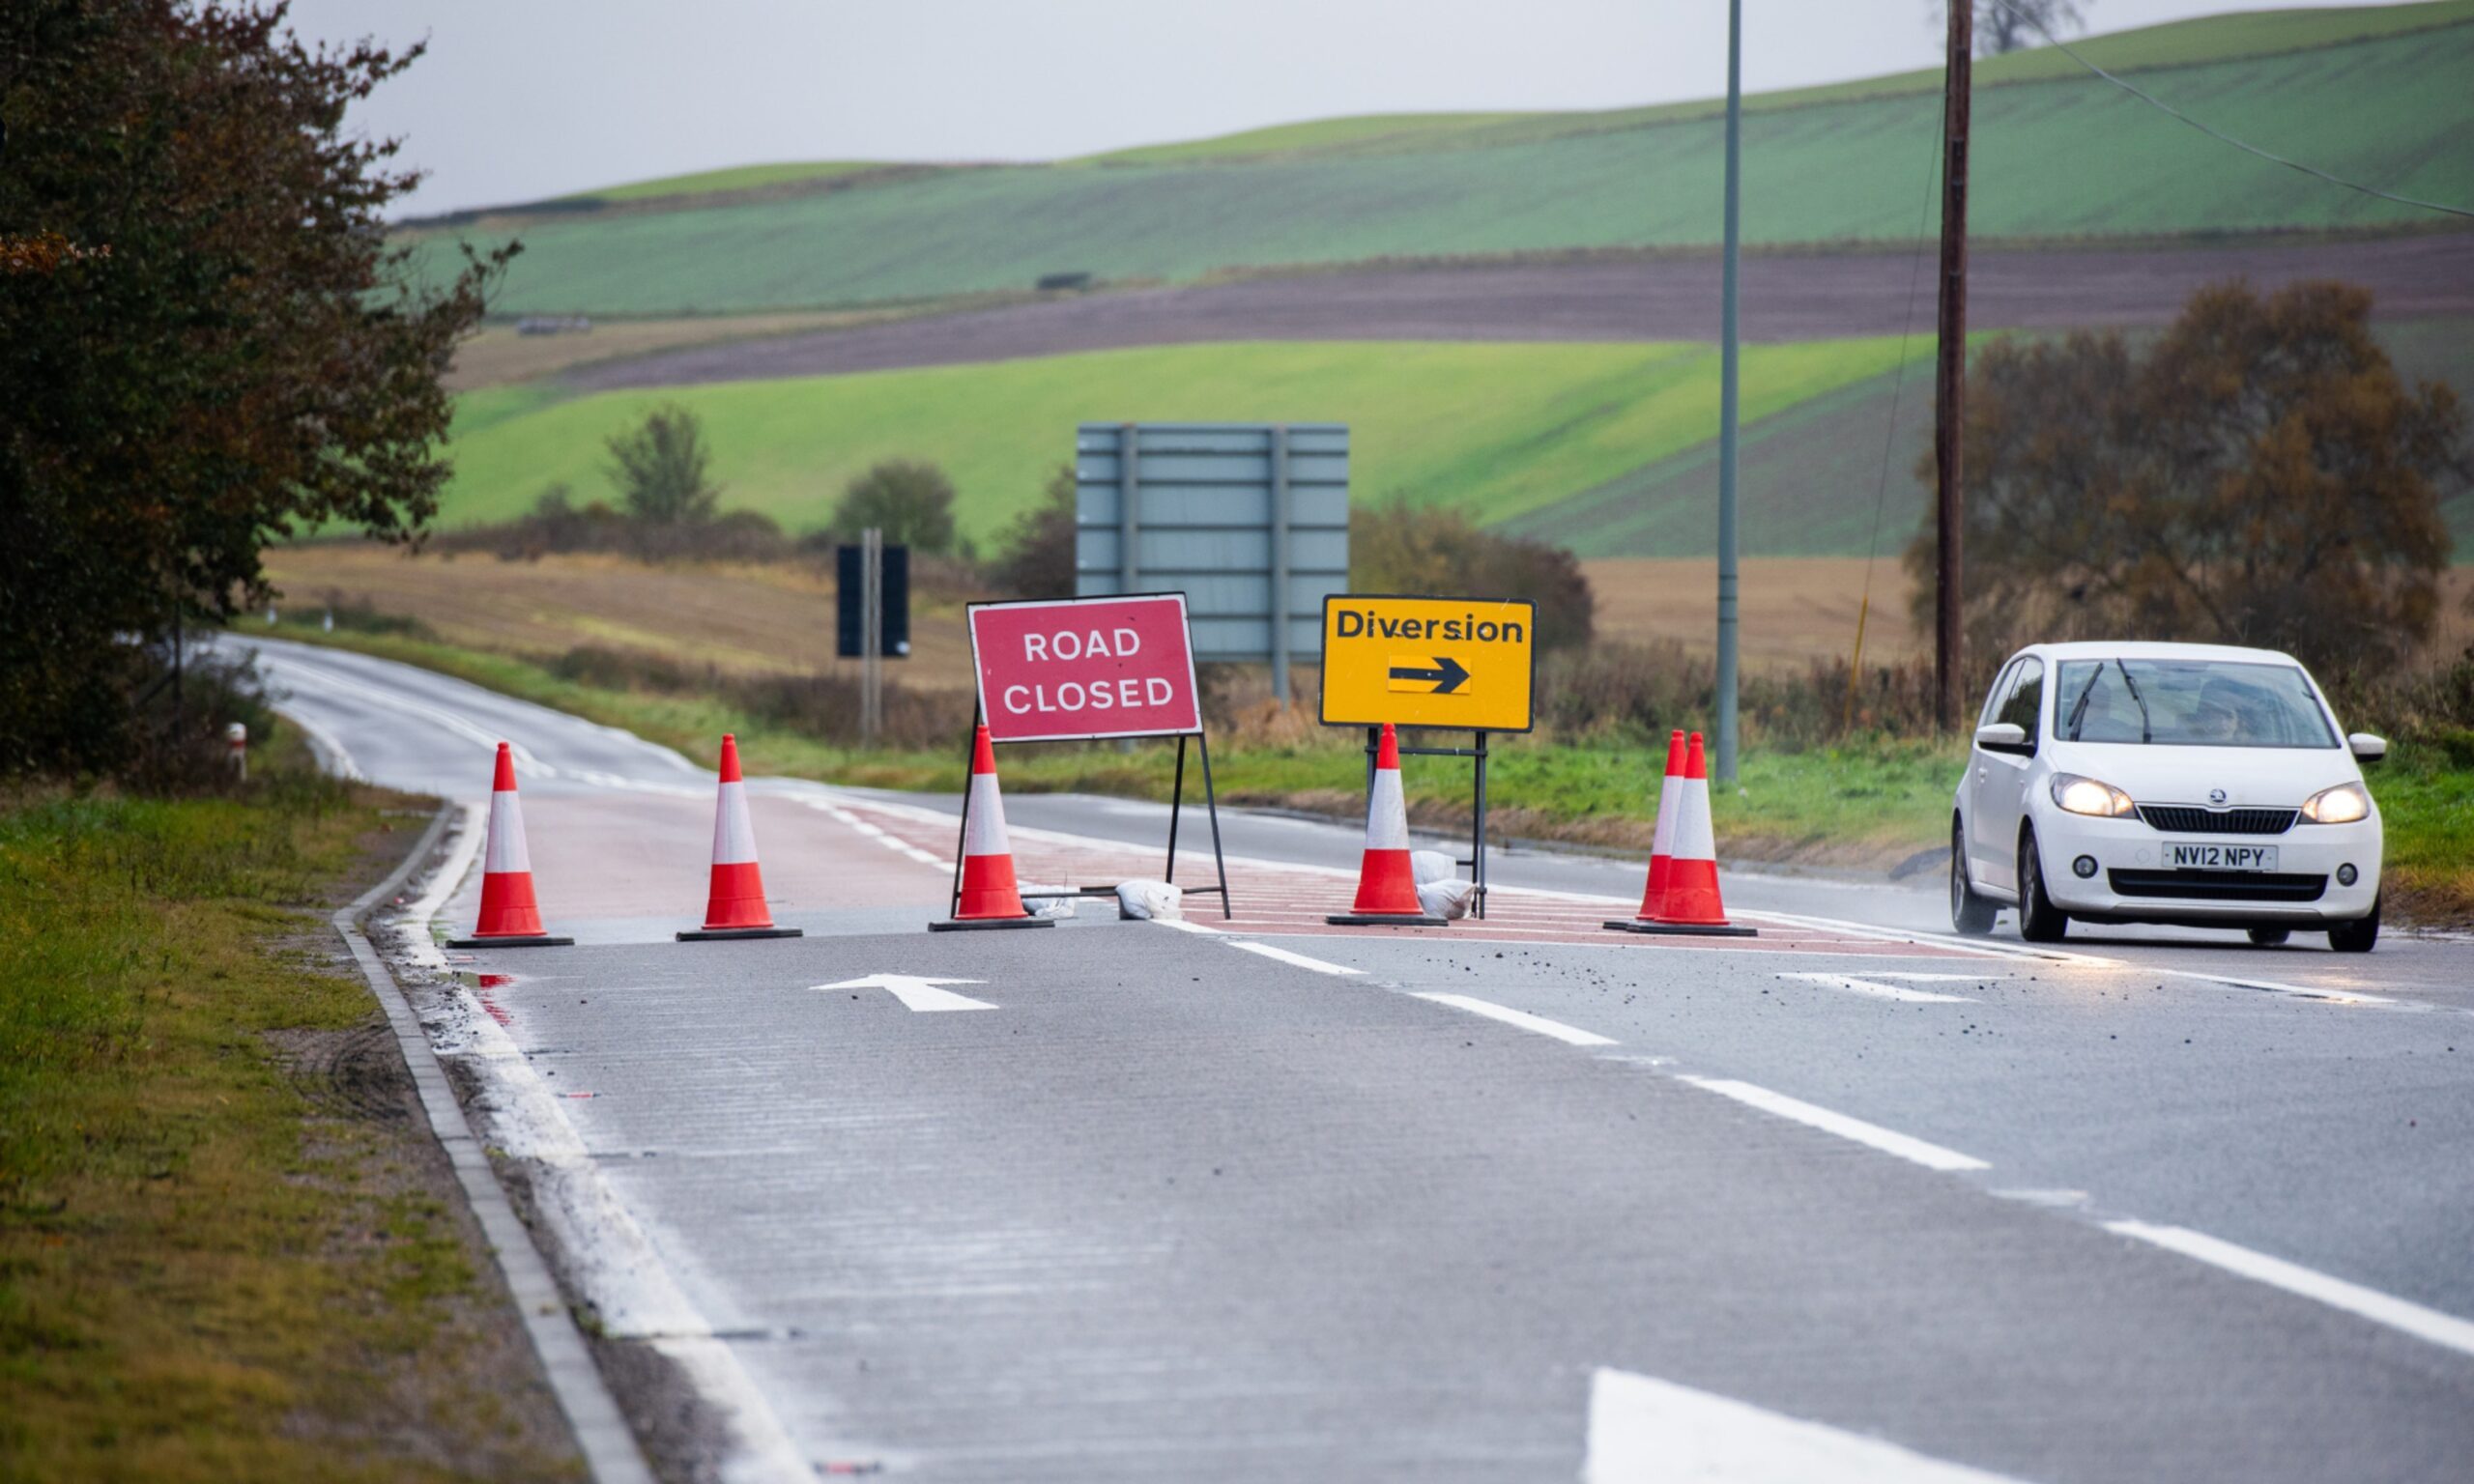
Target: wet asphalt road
x,y
1174,1207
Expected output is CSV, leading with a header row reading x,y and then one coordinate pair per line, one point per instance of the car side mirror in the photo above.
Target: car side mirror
x,y
2002,737
2367,748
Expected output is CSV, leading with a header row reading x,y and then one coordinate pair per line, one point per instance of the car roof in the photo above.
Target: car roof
x,y
2139,649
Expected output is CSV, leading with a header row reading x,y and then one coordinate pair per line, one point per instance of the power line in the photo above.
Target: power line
x,y
2219,134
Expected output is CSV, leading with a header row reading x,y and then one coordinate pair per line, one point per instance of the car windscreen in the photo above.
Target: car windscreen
x,y
2189,704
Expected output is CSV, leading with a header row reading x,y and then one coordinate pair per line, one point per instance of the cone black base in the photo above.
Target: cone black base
x,y
1383,920
545,940
1687,929
725,935
975,923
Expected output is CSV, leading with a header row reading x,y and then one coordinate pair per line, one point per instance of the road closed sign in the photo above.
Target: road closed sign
x,y
1463,663
1076,668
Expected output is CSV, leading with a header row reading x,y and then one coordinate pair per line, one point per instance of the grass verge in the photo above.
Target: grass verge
x,y
226,1248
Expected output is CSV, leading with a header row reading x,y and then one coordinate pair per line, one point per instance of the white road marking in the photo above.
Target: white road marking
x,y
1187,924
1647,1431
2445,1330
915,992
1879,991
1572,1036
1298,961
1933,1156
339,758
615,1265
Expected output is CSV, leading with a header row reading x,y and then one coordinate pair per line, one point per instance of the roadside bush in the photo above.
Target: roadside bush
x,y
824,706
1396,547
1038,551
663,470
911,500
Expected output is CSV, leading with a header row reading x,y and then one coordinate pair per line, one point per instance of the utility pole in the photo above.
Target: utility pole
x,y
1950,370
1726,760
871,632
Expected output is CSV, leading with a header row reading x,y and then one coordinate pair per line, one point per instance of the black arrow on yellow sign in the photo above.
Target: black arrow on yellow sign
x,y
1446,674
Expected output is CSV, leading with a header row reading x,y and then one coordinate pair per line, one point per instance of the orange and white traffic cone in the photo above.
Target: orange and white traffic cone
x,y
1692,907
1387,884
988,897
1662,840
735,905
510,918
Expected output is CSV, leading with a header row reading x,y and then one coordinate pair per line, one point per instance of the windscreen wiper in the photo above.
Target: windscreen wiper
x,y
2135,696
2078,709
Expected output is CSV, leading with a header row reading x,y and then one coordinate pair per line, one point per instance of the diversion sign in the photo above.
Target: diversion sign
x,y
1467,664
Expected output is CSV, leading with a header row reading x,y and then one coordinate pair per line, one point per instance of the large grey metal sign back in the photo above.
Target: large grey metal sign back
x,y
1250,520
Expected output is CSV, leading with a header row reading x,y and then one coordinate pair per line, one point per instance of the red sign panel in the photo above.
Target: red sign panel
x,y
1075,669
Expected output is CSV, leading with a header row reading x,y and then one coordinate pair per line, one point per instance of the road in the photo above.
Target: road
x,y
1506,1200
1786,298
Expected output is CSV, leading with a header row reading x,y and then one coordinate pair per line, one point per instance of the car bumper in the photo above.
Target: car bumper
x,y
2132,884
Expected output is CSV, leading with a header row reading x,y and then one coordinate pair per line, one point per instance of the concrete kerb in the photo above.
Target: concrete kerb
x,y
601,1432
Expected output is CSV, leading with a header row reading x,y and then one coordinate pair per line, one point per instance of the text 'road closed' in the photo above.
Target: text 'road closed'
x,y
1084,668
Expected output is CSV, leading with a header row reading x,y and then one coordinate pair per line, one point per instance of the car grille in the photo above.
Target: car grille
x,y
2219,885
2192,819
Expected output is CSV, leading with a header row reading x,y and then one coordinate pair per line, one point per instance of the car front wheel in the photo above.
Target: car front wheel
x,y
1969,913
2039,920
2358,936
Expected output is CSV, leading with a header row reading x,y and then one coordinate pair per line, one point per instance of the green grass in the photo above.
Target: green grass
x,y
1497,428
198,1280
2176,43
706,182
2062,159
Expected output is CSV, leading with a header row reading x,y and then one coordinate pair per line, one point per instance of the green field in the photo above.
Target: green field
x,y
2176,43
1498,429
709,183
2067,157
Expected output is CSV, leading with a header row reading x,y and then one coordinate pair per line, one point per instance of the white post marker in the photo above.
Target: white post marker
x,y
916,992
1647,1431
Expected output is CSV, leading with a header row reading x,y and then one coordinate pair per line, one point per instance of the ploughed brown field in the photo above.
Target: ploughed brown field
x,y
752,618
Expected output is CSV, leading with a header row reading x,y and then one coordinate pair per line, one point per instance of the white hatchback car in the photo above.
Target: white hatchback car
x,y
2194,785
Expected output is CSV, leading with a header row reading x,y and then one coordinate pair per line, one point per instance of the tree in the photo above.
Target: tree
x,y
660,469
1039,551
2260,477
912,502
2013,25
1396,547
205,343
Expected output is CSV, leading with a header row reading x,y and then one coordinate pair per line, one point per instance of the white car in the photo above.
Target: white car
x,y
2194,785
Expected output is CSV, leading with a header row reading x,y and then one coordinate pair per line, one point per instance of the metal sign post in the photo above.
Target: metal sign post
x,y
872,634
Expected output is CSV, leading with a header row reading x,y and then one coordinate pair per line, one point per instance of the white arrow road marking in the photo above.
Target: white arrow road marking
x,y
1643,1430
915,992
1877,990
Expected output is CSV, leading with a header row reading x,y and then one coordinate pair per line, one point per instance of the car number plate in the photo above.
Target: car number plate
x,y
2221,857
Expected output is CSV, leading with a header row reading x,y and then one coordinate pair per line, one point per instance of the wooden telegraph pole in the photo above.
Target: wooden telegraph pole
x,y
1950,372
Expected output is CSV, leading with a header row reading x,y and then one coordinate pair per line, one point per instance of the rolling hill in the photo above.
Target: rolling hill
x,y
2378,95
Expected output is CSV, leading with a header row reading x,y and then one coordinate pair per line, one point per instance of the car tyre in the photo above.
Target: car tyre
x,y
2039,920
2270,937
2358,936
1969,914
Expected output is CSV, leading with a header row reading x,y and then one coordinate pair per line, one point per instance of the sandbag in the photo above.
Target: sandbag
x,y
1147,900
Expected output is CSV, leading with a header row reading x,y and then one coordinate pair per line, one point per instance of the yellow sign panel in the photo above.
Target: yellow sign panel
x,y
1462,663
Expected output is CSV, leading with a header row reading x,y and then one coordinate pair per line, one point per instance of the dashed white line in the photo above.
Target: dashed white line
x,y
1296,960
1933,1156
1570,1035
2445,1330
1643,1429
1877,990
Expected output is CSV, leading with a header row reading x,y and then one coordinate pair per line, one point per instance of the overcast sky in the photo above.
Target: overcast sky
x,y
523,98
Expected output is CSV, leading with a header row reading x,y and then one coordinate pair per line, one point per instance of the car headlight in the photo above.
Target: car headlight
x,y
2341,805
2086,796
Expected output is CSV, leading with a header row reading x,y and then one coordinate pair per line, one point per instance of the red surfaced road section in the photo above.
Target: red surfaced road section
x,y
1079,668
1293,900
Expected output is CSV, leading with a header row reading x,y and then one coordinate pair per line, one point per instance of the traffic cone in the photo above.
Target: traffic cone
x,y
1662,840
509,915
988,897
1387,884
734,906
1691,908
